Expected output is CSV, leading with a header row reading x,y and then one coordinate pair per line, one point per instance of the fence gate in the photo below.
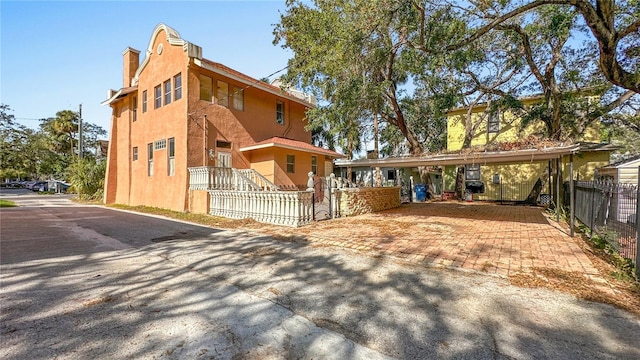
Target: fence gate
x,y
322,198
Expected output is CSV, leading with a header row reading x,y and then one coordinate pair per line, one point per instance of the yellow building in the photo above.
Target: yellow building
x,y
503,162
514,179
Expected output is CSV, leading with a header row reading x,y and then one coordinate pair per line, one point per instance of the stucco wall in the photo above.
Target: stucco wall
x,y
196,125
584,164
359,201
199,201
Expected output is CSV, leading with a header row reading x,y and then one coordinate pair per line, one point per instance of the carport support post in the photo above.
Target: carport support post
x,y
558,190
638,226
571,196
411,197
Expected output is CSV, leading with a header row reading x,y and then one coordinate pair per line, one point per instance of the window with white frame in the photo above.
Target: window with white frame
x,y
150,159
135,153
291,164
493,126
238,98
280,112
167,92
171,154
472,172
206,88
177,87
160,144
222,93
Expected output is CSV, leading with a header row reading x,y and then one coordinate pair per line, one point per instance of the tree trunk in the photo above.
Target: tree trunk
x,y
537,188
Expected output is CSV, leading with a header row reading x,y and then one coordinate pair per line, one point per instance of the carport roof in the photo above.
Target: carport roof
x,y
485,157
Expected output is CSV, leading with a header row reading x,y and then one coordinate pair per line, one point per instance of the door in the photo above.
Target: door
x,y
224,159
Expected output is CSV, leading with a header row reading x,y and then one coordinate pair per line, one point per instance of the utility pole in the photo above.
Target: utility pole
x,y
80,150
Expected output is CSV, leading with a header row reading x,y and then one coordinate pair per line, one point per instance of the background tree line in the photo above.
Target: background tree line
x,y
391,69
52,151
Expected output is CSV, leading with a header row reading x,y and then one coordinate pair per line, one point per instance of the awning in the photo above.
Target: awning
x,y
119,94
285,143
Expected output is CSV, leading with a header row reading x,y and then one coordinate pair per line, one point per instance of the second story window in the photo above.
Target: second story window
x,y
177,87
493,126
158,97
167,92
144,101
280,112
223,93
238,98
206,88
134,108
135,153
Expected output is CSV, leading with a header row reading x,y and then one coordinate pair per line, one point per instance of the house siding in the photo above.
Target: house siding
x,y
509,129
628,175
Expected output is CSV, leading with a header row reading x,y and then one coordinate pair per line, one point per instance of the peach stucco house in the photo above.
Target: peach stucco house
x,y
177,110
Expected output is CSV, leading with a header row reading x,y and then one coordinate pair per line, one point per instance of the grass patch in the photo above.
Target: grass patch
x,y
201,219
7,203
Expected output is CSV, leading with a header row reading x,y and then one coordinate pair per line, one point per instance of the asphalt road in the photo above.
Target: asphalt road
x,y
49,226
83,282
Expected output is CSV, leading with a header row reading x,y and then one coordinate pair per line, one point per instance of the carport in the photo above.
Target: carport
x,y
550,154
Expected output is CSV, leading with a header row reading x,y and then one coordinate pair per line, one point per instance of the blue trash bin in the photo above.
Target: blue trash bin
x,y
421,192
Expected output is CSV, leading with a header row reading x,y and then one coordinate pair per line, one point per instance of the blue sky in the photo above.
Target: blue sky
x,y
56,55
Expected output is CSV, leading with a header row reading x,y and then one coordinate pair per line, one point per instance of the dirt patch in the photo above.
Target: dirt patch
x,y
621,294
101,300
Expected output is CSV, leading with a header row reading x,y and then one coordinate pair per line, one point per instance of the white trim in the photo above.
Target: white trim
x,y
255,84
290,147
173,38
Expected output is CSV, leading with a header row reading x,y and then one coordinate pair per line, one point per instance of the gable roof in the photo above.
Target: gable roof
x,y
632,161
195,52
285,143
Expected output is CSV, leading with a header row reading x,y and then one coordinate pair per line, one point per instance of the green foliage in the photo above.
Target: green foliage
x,y
606,240
87,178
353,55
51,152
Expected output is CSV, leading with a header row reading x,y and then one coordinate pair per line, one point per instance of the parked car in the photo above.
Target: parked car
x,y
40,186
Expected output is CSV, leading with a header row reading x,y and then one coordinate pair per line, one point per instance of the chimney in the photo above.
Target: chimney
x,y
131,62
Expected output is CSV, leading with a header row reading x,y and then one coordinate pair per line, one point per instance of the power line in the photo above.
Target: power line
x,y
254,83
29,119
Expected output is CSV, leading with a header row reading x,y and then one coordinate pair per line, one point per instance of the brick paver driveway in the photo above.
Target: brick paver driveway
x,y
492,238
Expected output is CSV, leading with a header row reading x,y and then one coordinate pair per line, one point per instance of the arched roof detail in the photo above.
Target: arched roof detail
x,y
173,38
